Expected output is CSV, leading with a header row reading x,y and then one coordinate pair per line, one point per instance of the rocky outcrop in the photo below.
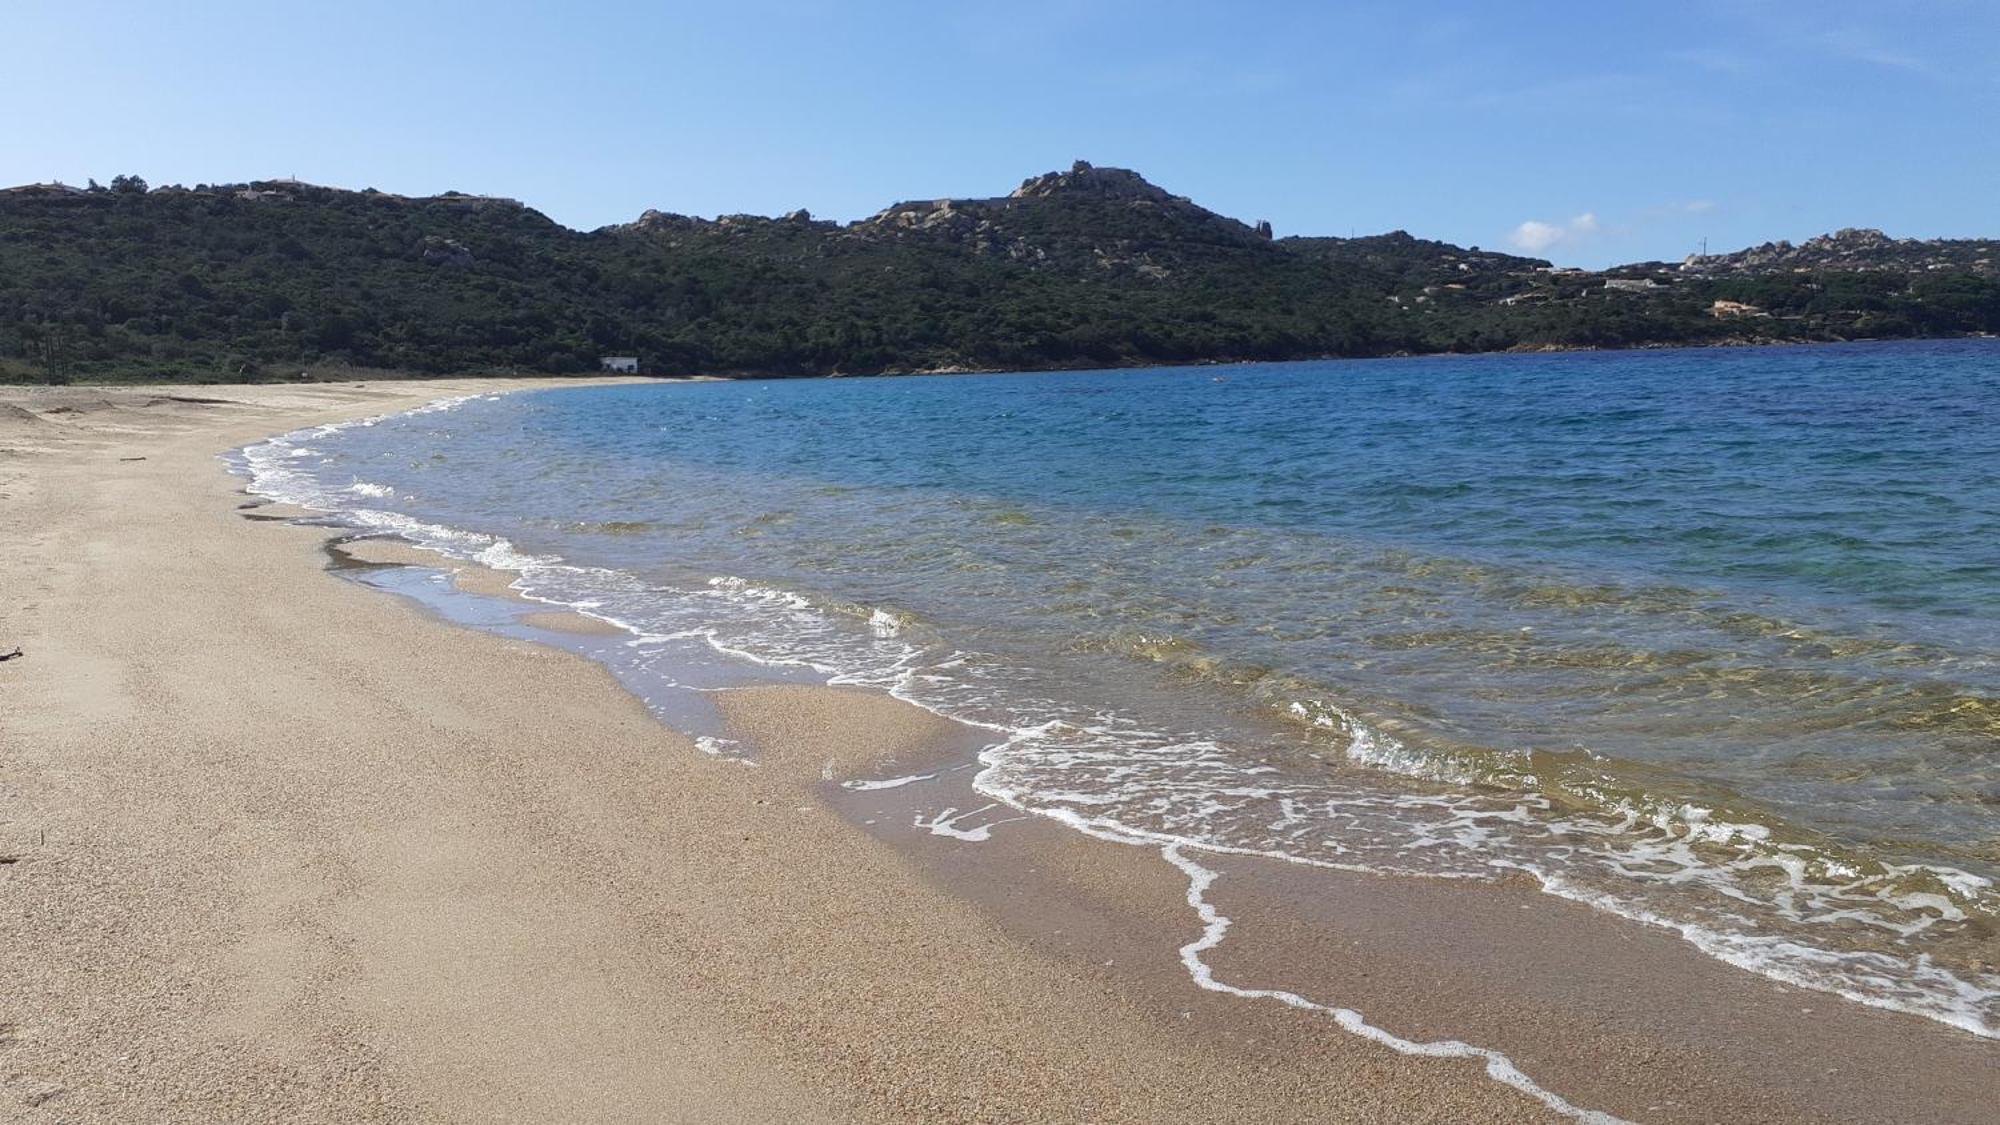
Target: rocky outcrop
x,y
946,217
670,223
654,222
1102,183
445,252
1854,249
1849,240
1726,310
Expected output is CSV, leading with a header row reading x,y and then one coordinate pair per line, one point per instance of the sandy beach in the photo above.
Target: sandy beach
x,y
278,847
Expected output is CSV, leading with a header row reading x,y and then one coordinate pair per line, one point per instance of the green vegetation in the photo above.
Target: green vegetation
x,y
1089,267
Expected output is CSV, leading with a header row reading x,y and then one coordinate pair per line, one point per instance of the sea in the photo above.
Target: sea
x,y
1708,639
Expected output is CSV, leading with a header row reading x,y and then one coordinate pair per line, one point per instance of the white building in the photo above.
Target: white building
x,y
622,364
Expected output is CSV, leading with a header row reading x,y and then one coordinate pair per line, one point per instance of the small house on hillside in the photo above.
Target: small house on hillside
x,y
620,364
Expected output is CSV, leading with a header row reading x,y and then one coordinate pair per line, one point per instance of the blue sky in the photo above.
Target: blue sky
x,y
1585,132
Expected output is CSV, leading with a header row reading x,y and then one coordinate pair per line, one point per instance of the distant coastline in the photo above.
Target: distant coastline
x,y
324,374
1087,268
1519,349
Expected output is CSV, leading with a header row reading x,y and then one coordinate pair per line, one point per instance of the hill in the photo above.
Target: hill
x,y
1855,249
1092,266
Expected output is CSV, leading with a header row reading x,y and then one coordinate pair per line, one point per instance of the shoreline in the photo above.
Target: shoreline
x,y
415,843
522,382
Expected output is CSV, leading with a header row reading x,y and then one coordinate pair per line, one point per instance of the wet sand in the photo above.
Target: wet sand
x,y
283,848
1613,1016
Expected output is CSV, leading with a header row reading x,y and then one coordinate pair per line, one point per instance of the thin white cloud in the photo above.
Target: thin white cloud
x,y
1906,37
1535,236
1862,46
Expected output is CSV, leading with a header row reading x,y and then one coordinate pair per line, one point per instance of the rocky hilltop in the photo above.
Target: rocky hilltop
x,y
1854,249
1085,267
1082,179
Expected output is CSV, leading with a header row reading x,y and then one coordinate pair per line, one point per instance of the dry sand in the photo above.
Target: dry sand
x,y
281,848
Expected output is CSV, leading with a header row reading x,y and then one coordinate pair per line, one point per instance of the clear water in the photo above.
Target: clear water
x,y
1707,638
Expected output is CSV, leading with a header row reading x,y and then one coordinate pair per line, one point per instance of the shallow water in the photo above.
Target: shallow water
x,y
1706,638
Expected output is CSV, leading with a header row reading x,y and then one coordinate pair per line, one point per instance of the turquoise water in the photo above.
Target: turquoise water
x,y
1708,638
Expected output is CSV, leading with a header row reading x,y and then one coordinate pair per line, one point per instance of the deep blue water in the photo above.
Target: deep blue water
x,y
1713,636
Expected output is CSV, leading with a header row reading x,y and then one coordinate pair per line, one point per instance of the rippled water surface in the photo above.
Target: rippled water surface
x,y
1707,638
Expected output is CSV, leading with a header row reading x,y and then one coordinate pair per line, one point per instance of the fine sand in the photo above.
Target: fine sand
x,y
278,847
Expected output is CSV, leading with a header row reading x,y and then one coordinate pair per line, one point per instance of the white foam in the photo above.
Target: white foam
x,y
889,783
946,823
722,749
1915,986
1215,926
